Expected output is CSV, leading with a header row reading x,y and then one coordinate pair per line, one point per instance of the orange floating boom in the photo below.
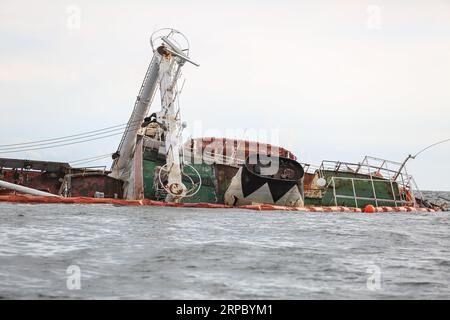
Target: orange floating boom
x,y
145,202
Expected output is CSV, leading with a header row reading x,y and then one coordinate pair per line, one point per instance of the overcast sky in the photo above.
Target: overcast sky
x,y
334,79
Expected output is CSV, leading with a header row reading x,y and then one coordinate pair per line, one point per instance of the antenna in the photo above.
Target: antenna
x,y
414,156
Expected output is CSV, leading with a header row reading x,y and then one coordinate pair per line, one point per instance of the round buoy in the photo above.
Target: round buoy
x,y
321,182
369,209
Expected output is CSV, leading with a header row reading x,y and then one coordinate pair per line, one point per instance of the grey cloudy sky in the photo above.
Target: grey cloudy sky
x,y
335,79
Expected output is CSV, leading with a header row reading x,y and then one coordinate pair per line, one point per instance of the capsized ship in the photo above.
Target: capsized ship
x,y
152,161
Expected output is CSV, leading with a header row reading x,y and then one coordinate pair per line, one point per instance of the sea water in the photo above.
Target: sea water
x,y
114,252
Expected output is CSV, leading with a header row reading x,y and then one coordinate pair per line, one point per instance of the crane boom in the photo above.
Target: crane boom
x,y
124,155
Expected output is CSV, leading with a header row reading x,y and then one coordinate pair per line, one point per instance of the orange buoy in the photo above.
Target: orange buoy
x,y
369,209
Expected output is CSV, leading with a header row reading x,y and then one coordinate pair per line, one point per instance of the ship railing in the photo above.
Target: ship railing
x,y
393,171
414,187
370,166
358,168
91,168
311,168
306,167
377,200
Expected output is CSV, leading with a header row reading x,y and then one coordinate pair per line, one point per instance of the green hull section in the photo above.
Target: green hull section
x,y
207,192
357,190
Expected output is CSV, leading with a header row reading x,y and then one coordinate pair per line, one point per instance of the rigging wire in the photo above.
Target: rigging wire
x,y
92,158
81,163
59,144
60,139
88,161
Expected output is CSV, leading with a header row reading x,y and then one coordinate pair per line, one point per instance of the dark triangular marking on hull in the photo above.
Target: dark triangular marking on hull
x,y
279,188
250,183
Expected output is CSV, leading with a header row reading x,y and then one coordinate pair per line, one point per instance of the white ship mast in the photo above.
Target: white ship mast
x,y
164,70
